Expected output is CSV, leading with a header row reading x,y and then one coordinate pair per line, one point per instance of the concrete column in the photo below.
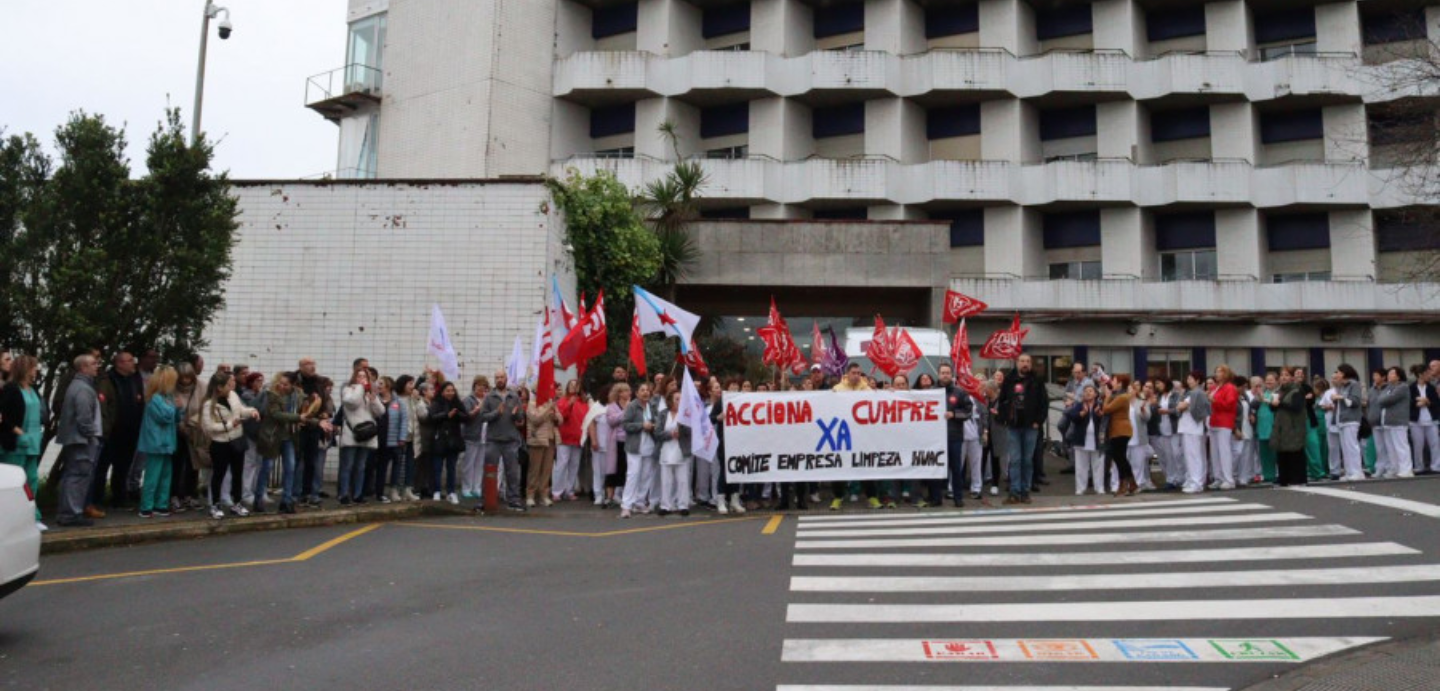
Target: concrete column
x,y
895,212
569,129
1228,26
1240,249
782,27
668,27
895,127
780,129
779,211
1337,28
1008,24
1123,245
1119,25
1117,130
1352,245
1234,131
1345,136
651,113
1009,131
895,26
572,28
1014,243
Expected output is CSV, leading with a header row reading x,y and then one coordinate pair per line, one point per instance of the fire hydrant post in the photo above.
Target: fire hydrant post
x,y
491,489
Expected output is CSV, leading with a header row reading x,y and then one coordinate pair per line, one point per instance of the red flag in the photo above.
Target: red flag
x,y
1005,344
906,354
597,340
637,344
958,306
694,361
964,375
780,348
881,349
545,381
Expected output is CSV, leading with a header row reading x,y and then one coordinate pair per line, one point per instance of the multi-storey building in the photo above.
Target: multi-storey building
x,y
1157,184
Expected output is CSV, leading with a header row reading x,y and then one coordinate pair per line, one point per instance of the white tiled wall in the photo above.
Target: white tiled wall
x,y
337,271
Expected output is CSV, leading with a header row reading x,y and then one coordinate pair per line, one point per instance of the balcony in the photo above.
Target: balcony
x,y
1198,300
1114,181
343,91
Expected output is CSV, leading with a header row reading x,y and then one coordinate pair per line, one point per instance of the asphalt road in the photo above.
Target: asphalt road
x,y
699,603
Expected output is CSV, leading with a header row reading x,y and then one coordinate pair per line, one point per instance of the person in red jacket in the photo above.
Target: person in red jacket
x,y
572,409
1224,405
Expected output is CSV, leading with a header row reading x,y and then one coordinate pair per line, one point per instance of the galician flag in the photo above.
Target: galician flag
x,y
439,345
703,441
659,316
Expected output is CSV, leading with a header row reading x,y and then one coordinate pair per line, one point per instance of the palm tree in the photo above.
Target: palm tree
x,y
669,205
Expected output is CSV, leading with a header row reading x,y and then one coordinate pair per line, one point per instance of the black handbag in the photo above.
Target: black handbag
x,y
364,431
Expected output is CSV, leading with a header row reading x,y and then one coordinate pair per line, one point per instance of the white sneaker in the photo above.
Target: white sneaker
x,y
814,497
736,505
1406,474
1079,492
1227,485
720,508
410,495
240,510
994,490
1190,490
529,502
217,513
854,498
392,496
1352,478
41,526
547,501
599,501
453,499
436,497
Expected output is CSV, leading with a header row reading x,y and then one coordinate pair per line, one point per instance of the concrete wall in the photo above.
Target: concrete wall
x,y
822,253
337,271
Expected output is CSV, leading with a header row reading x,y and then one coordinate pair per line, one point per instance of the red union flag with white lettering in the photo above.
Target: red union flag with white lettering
x,y
959,305
1005,344
819,436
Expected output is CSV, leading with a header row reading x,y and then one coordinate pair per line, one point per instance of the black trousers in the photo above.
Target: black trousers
x,y
225,460
869,488
1291,470
184,478
115,458
1115,448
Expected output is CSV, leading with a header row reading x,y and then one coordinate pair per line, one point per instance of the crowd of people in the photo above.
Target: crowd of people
x,y
166,439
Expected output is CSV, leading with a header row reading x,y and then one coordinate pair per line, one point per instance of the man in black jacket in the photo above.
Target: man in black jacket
x,y
122,404
1022,408
958,409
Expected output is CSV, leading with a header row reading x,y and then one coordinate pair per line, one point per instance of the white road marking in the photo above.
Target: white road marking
x,y
1027,687
1051,650
1417,507
1276,532
1030,518
1130,581
1147,522
1340,551
873,515
1173,610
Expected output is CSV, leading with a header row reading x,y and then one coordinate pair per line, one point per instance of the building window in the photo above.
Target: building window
x,y
1064,123
1174,125
608,122
1292,232
1291,126
1301,277
1170,365
1188,265
729,152
1395,26
838,121
951,20
1162,25
1066,20
619,152
365,55
967,227
725,20
1288,32
370,148
851,213
1069,230
723,121
1083,271
957,121
615,20
838,20
741,212
1407,230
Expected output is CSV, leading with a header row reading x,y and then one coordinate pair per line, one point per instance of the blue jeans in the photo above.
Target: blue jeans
x,y
352,471
402,473
262,480
955,455
288,482
312,463
447,462
1022,459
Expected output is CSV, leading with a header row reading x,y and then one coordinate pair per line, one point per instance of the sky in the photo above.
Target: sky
x,y
127,60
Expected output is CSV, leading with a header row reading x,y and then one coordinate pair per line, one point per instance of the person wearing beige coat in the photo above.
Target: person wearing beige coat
x,y
543,420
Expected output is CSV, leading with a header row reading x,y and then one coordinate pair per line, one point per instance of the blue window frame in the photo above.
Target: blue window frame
x,y
1292,126
967,226
1172,125
1184,231
722,121
605,122
1064,123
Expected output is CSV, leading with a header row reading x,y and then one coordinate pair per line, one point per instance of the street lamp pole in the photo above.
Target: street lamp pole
x,y
211,11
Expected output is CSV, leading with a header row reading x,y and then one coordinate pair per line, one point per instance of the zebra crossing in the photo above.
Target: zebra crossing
x,y
1175,595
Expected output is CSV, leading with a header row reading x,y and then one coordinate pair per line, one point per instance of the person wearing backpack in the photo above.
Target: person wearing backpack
x,y
1193,410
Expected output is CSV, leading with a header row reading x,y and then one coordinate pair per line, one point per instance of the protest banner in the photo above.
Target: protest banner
x,y
819,436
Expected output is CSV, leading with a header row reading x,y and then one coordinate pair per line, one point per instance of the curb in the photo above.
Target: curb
x,y
77,540
1353,670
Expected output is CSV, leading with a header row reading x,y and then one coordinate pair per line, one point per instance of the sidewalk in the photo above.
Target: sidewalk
x,y
1405,665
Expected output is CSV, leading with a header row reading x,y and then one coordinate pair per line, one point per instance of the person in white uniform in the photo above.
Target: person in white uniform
x,y
1138,451
1193,411
1392,440
1345,411
675,460
1166,443
1084,430
1247,449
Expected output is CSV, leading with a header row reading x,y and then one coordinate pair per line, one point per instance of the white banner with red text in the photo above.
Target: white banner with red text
x,y
820,436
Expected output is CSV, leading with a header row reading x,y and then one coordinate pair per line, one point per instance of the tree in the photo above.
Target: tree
x,y
96,259
609,244
670,203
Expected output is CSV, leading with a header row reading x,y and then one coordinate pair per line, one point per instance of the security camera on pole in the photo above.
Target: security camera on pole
x,y
225,29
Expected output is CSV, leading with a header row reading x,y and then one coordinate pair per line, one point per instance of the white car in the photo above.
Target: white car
x,y
19,536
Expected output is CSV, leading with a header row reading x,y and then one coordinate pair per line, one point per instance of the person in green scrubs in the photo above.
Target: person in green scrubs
x,y
23,422
1265,424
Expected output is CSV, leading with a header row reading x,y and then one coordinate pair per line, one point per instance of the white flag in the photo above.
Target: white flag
x,y
515,366
439,345
703,441
659,316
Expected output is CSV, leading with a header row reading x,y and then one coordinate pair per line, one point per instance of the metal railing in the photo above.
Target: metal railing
x,y
354,78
